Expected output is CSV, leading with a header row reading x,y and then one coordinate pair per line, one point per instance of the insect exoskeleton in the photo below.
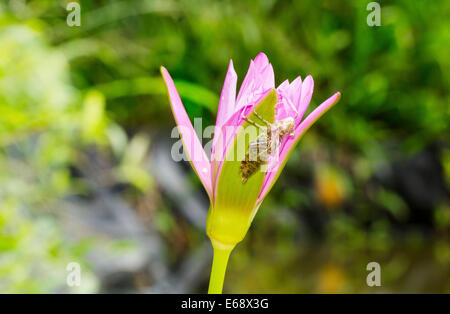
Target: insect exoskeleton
x,y
267,142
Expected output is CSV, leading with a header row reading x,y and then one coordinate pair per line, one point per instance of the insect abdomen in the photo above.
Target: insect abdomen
x,y
249,167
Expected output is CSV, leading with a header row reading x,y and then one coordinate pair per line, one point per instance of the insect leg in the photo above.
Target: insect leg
x,y
254,123
262,119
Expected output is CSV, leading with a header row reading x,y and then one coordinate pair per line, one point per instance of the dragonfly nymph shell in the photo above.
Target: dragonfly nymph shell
x,y
267,142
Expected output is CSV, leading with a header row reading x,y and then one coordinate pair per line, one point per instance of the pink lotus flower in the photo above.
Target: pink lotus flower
x,y
233,203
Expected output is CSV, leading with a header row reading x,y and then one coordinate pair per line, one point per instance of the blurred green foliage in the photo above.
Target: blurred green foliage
x,y
65,89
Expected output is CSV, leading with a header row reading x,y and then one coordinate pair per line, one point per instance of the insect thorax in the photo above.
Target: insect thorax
x,y
285,127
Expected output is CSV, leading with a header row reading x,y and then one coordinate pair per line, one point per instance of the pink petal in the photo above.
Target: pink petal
x,y
224,112
194,149
246,84
305,97
257,81
261,60
288,98
284,86
290,143
295,89
228,96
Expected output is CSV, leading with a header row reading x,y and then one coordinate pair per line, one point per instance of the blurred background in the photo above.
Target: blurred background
x,y
86,174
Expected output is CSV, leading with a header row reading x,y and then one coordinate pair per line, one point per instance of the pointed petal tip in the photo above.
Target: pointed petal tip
x,y
261,59
310,79
261,55
231,70
166,76
335,98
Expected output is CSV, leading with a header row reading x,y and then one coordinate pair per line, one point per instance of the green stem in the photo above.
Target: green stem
x,y
219,266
